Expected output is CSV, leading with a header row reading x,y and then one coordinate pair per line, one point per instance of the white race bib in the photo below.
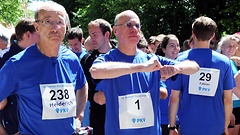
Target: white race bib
x,y
58,101
135,111
204,82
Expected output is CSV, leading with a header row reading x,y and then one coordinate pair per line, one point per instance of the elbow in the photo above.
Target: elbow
x,y
228,101
173,99
197,67
94,73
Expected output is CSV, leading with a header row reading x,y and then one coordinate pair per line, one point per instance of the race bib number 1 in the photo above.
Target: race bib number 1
x,y
58,100
135,111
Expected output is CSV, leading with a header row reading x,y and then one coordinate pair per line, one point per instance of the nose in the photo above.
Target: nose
x,y
55,27
134,29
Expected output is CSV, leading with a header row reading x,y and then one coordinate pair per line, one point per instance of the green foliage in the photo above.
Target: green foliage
x,y
11,11
158,16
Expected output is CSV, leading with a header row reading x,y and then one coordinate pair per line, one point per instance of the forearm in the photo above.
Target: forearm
x,y
173,107
227,106
188,67
81,99
114,69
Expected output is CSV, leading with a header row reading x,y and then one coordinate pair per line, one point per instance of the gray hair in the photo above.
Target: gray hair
x,y
4,38
225,39
50,5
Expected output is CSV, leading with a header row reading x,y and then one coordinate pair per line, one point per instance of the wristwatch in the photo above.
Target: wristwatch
x,y
172,128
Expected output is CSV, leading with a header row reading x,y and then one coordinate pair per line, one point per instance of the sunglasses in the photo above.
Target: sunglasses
x,y
130,25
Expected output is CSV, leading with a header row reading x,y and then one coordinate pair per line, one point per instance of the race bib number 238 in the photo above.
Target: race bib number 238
x,y
58,100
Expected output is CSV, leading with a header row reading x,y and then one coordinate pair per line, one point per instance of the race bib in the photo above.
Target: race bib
x,y
135,111
204,82
58,101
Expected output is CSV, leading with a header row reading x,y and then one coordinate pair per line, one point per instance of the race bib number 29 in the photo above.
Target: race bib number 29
x,y
204,82
58,100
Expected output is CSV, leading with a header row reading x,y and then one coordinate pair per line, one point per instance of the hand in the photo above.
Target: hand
x,y
173,132
226,131
168,71
232,120
78,125
99,98
163,93
152,65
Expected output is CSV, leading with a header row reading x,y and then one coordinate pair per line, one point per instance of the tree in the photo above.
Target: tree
x,y
158,16
11,11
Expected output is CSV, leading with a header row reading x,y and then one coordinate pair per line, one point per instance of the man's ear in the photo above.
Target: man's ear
x,y
107,35
36,26
115,31
193,35
212,36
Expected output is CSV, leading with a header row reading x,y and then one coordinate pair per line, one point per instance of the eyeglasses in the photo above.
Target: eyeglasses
x,y
49,22
130,25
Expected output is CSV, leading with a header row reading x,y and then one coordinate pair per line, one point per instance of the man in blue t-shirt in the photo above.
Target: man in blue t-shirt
x,y
131,80
75,37
47,79
26,36
205,98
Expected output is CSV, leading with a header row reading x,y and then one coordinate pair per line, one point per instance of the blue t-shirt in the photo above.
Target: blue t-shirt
x,y
22,75
141,82
204,115
81,54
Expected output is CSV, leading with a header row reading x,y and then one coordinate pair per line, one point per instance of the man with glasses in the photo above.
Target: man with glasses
x,y
47,78
131,81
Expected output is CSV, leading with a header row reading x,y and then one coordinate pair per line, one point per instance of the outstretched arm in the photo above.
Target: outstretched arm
x,y
107,70
186,67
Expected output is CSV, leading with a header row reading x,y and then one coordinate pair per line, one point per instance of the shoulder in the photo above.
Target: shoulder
x,y
67,53
220,57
